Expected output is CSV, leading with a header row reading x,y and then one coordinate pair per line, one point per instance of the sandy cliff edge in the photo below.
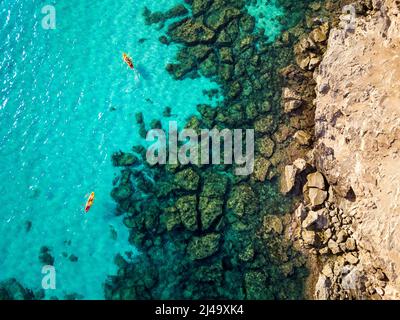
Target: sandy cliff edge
x,y
358,133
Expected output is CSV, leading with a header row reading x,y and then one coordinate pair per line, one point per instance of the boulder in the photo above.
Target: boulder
x,y
288,178
320,34
316,180
350,244
210,210
220,18
341,236
309,237
192,32
266,146
312,217
204,246
122,159
350,258
300,164
317,196
289,106
261,168
187,208
272,223
187,179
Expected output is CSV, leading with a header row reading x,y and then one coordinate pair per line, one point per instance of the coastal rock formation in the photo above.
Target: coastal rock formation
x,y
357,145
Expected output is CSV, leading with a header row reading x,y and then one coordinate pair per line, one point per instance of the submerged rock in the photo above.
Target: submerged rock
x,y
192,32
203,247
122,159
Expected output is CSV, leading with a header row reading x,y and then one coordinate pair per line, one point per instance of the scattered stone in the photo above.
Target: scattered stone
x,y
350,258
341,236
308,237
73,258
333,246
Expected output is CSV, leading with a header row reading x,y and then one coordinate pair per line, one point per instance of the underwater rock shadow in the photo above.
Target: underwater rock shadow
x,y
143,73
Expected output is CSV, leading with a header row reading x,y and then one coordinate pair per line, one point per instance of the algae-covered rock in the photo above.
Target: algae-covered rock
x,y
203,247
187,179
122,159
226,71
242,200
219,18
186,206
192,32
226,55
199,7
122,192
172,220
247,254
209,66
210,210
266,146
215,185
261,168
255,284
247,23
265,125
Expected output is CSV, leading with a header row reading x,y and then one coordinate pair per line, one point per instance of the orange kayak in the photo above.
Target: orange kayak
x,y
89,202
127,60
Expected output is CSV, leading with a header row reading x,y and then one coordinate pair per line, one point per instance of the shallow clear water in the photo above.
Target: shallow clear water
x,y
57,130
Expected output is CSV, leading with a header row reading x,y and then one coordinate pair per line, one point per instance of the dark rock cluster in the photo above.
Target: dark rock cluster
x,y
11,289
203,232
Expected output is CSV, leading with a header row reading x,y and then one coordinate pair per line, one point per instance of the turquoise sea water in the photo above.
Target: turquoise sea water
x,y
58,130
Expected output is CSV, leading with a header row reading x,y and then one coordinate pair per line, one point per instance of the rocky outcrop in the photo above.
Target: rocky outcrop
x,y
357,148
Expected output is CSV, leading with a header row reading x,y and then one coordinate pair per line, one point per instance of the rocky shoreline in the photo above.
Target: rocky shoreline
x,y
351,249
